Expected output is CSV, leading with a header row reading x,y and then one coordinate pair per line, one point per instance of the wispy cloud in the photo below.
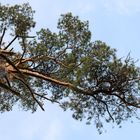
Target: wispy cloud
x,y
123,7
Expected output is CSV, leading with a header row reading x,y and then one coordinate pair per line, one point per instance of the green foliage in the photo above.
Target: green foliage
x,y
67,68
19,18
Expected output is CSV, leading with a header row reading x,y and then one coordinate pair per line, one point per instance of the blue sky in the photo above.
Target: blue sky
x,y
115,22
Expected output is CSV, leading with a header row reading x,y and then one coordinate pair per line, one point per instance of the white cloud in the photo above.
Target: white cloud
x,y
123,7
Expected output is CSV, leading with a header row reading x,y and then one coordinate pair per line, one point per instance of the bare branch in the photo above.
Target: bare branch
x,y
1,39
26,36
11,42
7,80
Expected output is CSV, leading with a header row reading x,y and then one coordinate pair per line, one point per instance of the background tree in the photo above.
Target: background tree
x,y
66,68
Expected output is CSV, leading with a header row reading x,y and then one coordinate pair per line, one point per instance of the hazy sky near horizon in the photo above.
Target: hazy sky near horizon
x,y
116,22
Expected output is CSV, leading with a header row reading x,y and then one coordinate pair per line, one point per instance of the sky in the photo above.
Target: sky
x,y
116,22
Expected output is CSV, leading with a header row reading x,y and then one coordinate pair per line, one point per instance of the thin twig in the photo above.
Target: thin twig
x,y
46,98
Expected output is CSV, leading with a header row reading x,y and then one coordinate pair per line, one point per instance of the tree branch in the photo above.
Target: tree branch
x,y
72,87
11,42
22,36
10,63
105,105
6,52
1,39
24,51
8,82
46,98
125,102
31,91
36,58
10,89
